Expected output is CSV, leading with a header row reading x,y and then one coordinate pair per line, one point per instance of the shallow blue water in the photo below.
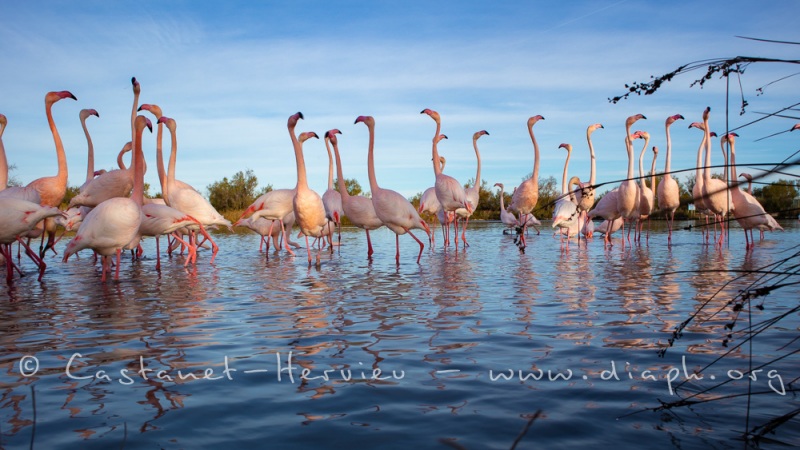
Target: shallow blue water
x,y
396,355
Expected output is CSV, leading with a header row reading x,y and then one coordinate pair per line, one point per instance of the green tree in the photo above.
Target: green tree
x,y
778,197
235,193
351,184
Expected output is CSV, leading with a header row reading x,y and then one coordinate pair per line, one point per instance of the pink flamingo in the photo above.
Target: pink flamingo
x,y
17,218
506,217
449,191
473,192
646,196
309,212
429,203
628,193
585,196
394,210
526,195
114,224
668,192
697,190
715,191
188,200
358,209
746,209
773,224
331,198
51,190
566,208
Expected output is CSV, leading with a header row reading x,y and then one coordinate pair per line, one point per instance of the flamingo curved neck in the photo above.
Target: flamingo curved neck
x,y
330,166
669,154
707,149
564,188
373,182
641,164
477,155
173,157
90,151
535,176
162,177
339,177
61,156
653,173
138,168
593,170
629,149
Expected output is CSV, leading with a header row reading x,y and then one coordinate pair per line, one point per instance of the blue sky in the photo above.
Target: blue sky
x,y
231,73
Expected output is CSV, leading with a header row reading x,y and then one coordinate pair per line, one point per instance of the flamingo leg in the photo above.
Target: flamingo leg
x,y
421,246
158,255
397,245
369,246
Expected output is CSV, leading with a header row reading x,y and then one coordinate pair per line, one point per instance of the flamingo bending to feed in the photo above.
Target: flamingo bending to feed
x,y
773,224
526,195
188,200
114,224
429,203
474,192
17,218
358,209
668,192
628,193
24,193
449,192
266,229
331,198
394,210
309,212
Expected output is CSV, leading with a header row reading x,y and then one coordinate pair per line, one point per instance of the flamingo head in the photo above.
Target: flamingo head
x,y
746,176
672,119
306,135
294,118
641,135
594,127
730,137
154,109
141,122
706,113
366,120
331,134
88,112
698,125
169,122
795,127
655,150
439,138
713,134
632,119
565,146
3,121
136,87
53,97
478,134
500,185
433,114
532,121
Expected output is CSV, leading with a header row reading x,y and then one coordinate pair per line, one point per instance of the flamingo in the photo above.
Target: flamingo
x,y
83,115
526,195
51,190
715,191
17,218
449,192
628,194
607,209
565,212
309,212
331,198
188,200
266,229
162,174
773,224
358,209
646,197
506,217
474,192
746,209
115,183
585,196
697,190
114,224
27,193
394,210
429,203
668,192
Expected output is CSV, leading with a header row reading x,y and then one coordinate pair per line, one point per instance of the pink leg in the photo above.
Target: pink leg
x,y
116,271
421,246
158,255
369,245
397,245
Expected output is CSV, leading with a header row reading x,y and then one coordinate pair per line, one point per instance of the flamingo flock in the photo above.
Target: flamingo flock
x,y
110,213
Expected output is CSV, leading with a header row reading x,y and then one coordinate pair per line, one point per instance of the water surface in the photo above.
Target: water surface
x,y
466,346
